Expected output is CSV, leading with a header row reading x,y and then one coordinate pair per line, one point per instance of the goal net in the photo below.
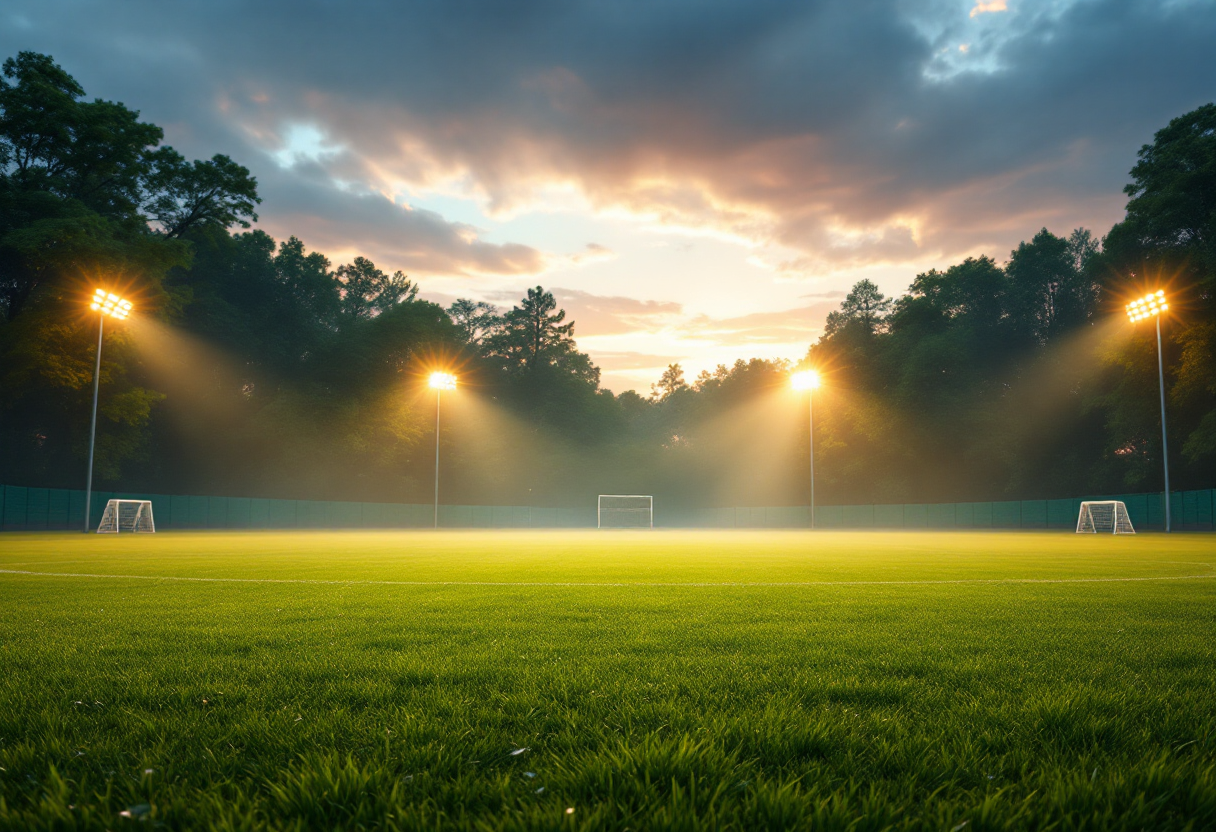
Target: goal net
x,y
127,516
1108,516
626,511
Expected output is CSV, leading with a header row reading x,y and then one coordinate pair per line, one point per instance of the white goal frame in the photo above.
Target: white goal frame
x,y
637,509
127,516
1106,514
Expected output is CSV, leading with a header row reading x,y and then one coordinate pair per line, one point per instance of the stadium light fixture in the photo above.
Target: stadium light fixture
x,y
1151,306
808,380
107,305
805,380
439,382
443,381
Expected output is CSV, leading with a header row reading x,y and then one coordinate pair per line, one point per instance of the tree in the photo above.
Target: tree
x,y
865,307
367,291
51,141
182,196
1172,194
533,337
474,318
670,383
1050,294
1169,237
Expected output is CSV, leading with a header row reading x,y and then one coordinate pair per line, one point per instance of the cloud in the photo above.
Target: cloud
x,y
421,242
615,362
785,326
613,315
846,133
592,253
984,8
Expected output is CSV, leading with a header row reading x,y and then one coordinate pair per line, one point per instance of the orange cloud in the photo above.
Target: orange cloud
x,y
985,8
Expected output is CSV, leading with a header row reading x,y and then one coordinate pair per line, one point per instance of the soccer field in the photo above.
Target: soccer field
x,y
566,680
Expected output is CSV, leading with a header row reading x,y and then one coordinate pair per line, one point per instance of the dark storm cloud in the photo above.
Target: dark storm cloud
x,y
852,132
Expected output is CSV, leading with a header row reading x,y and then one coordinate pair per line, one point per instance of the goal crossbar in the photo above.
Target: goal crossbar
x,y
625,511
127,516
1106,516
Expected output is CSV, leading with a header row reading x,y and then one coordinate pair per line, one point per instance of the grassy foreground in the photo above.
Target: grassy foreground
x,y
572,680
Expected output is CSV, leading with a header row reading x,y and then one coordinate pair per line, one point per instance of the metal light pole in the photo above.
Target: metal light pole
x,y
112,305
1151,306
439,382
808,380
1165,448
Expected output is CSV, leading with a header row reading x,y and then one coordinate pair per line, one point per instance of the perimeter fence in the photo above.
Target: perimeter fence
x,y
44,509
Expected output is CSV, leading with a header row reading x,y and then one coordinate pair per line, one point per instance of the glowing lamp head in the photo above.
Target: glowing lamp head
x,y
1147,306
108,303
805,380
443,381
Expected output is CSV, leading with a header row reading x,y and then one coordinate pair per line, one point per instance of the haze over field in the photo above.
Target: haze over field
x,y
694,184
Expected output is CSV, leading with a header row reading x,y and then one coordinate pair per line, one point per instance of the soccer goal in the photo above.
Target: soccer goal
x,y
1104,516
127,516
626,511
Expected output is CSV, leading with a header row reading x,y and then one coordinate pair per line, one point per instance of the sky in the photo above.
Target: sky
x,y
695,181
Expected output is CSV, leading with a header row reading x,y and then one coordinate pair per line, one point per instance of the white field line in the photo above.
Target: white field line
x,y
742,584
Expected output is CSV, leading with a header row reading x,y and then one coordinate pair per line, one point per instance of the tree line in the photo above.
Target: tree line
x,y
258,367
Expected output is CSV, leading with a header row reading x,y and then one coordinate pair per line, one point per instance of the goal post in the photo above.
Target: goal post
x,y
1106,516
127,516
625,511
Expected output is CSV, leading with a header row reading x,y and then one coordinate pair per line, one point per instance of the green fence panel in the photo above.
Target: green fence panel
x,y
59,507
889,516
827,517
940,516
37,508
1139,508
75,508
347,515
1197,508
481,517
916,516
217,512
281,514
42,508
259,512
511,517
541,518
856,517
1007,514
1034,514
1062,514
308,514
785,517
748,517
179,511
162,511
196,512
16,499
237,512
374,515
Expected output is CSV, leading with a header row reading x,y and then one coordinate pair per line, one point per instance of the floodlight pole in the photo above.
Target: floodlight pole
x,y
810,412
88,483
1165,452
438,396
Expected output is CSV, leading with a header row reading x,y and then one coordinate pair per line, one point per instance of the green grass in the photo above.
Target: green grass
x,y
647,681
